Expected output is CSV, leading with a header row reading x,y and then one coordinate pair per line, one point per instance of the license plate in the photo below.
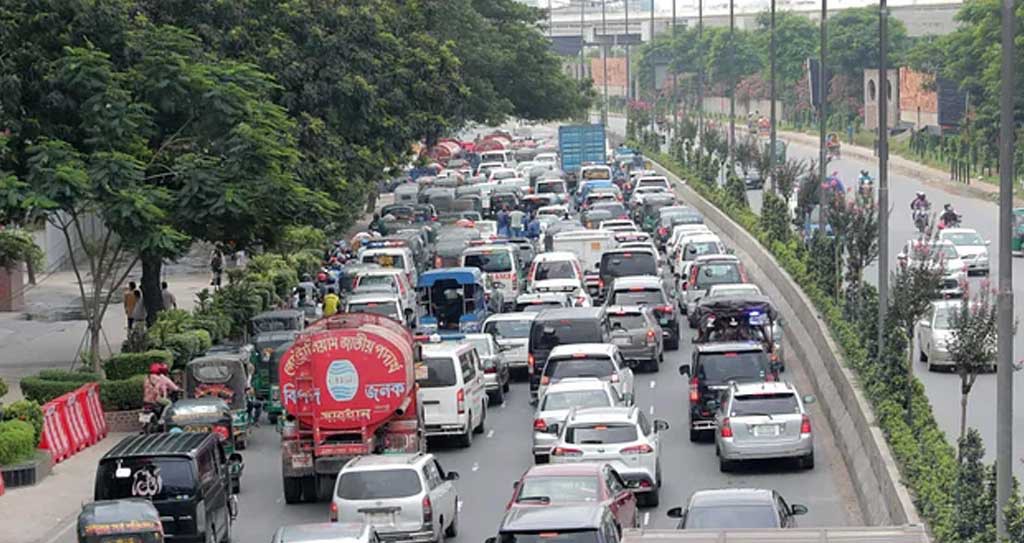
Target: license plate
x,y
378,518
144,417
621,341
302,461
663,321
766,430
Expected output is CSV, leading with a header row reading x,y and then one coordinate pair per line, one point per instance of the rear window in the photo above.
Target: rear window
x,y
598,434
495,261
535,307
718,273
626,264
376,280
387,309
629,322
554,270
565,331
159,478
652,183
551,187
717,368
440,372
508,329
378,484
567,368
560,489
695,249
575,536
615,208
765,404
558,400
638,297
732,516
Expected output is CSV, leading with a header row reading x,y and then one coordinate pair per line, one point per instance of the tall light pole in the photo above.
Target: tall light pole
x,y
551,21
732,85
700,72
822,81
771,114
883,172
654,78
604,60
583,38
674,97
1004,375
629,80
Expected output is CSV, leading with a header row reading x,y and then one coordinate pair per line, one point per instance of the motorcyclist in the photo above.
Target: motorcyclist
x,y
920,202
949,216
157,387
865,178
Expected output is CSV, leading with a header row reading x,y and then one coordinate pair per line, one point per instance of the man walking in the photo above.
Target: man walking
x,y
216,268
170,302
138,310
516,218
129,302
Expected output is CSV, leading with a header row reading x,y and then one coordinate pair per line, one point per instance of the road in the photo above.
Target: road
x,y
943,389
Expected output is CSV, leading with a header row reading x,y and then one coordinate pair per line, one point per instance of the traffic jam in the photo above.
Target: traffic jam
x,y
555,275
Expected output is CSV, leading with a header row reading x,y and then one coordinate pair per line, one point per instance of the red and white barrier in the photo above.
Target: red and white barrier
x,y
74,418
90,396
55,437
73,422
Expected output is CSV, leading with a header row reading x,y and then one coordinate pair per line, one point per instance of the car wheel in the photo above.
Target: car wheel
x,y
497,397
807,462
483,418
694,435
725,466
466,439
292,490
453,529
540,459
241,445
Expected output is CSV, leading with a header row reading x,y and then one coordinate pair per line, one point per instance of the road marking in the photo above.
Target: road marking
x,y
460,505
476,466
652,409
647,518
63,531
653,383
490,433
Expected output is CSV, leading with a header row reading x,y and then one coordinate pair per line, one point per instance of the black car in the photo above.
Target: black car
x,y
624,263
558,524
726,508
186,475
714,366
563,326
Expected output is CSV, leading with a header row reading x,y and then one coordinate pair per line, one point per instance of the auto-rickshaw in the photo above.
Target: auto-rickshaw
x,y
225,377
264,377
455,300
742,318
210,415
131,520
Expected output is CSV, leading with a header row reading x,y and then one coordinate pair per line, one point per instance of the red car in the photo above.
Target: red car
x,y
583,483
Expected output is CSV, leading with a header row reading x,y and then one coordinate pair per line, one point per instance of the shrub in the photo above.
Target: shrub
x,y
217,325
125,365
306,261
80,377
185,346
16,442
169,321
3,388
27,411
122,395
50,384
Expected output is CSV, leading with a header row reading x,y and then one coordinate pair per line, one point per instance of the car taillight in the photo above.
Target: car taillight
x,y
428,510
694,393
491,370
805,425
545,380
637,449
600,283
650,337
433,218
530,361
540,425
334,512
222,432
664,308
662,231
726,429
565,451
460,400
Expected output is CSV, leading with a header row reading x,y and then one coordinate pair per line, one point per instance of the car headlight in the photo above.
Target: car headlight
x,y
498,284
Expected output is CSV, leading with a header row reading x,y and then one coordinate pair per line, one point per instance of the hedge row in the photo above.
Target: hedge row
x,y
115,394
17,443
926,460
125,365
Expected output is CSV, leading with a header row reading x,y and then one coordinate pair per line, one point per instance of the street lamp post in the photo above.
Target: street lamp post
x,y
771,137
883,171
674,97
583,38
604,61
629,80
654,79
700,72
732,86
822,81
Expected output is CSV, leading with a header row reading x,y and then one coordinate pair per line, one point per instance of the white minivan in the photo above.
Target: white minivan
x,y
452,390
499,262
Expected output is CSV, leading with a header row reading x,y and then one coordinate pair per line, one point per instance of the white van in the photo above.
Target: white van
x,y
505,157
392,257
452,390
499,262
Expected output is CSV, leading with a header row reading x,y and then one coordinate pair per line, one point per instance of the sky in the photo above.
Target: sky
x,y
684,7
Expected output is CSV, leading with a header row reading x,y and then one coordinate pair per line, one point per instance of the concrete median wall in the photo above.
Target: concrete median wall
x,y
883,499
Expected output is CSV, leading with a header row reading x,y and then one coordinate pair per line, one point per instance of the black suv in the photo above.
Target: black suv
x,y
560,523
560,327
186,475
624,263
714,366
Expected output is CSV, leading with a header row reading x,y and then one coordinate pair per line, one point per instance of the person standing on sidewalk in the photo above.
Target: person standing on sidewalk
x,y
216,268
139,311
170,302
129,302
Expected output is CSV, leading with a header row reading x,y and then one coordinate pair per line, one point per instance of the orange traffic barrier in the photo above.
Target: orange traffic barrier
x,y
55,437
74,421
89,395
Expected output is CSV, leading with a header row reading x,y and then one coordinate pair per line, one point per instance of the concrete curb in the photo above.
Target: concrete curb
x,y
883,499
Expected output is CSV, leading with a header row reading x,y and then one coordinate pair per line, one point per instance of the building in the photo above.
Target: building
x,y
916,100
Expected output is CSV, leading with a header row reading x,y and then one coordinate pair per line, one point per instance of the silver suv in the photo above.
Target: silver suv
x,y
405,497
556,403
763,420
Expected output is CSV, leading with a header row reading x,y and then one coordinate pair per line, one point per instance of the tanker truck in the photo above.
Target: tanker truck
x,y
348,389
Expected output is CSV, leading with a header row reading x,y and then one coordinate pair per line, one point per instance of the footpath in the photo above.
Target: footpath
x,y
35,340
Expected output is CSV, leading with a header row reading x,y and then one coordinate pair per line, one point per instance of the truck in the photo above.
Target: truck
x,y
579,145
348,389
863,534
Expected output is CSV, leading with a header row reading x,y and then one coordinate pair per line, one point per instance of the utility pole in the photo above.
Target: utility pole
x,y
583,38
654,80
883,172
604,61
771,137
1004,374
629,80
674,124
732,86
822,81
551,21
700,72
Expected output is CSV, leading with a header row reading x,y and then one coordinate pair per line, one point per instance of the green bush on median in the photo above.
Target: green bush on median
x,y
17,442
26,411
125,365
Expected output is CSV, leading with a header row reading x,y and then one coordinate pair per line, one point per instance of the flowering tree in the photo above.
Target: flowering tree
x,y
972,343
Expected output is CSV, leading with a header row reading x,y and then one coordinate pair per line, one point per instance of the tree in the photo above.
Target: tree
x,y
796,39
974,505
736,189
853,45
861,240
787,175
728,61
972,343
745,155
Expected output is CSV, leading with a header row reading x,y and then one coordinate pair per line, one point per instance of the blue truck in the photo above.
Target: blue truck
x,y
580,144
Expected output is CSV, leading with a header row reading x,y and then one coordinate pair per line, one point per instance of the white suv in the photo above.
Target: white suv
x,y
404,497
620,436
452,390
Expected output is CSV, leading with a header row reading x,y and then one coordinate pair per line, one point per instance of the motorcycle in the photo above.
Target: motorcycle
x,y
920,216
866,185
950,223
149,417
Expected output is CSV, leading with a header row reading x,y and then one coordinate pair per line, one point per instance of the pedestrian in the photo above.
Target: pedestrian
x,y
129,302
139,310
331,302
516,219
503,221
533,228
216,268
170,302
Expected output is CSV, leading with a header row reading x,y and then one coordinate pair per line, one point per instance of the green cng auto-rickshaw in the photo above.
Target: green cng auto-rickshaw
x,y
270,330
210,415
132,520
224,377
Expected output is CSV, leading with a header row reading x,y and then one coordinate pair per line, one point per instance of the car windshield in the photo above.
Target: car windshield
x,y
551,536
489,262
560,489
556,187
732,516
627,321
638,297
943,318
157,478
718,368
561,400
482,345
597,434
386,260
508,329
557,269
566,368
944,250
436,372
626,264
657,182
964,238
775,403
698,248
378,484
387,309
714,274
377,280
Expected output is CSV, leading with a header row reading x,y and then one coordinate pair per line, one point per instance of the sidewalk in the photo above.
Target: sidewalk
x,y
45,512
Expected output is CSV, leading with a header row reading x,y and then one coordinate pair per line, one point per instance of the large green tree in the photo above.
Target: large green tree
x,y
796,39
853,45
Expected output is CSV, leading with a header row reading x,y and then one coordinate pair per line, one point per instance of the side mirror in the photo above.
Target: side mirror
x,y
675,512
797,509
451,476
684,369
660,425
808,399
515,485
